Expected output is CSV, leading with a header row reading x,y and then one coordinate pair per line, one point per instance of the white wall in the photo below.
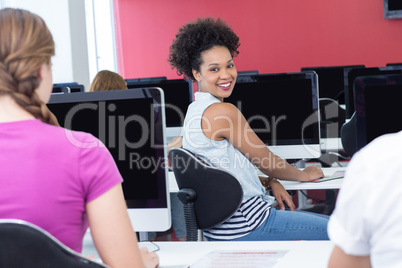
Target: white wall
x,y
101,36
83,34
56,16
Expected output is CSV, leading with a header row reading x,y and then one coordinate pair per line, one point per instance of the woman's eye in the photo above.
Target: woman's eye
x,y
214,69
231,65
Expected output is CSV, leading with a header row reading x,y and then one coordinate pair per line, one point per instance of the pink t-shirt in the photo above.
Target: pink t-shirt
x,y
48,174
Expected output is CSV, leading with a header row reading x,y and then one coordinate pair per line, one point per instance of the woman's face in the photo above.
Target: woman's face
x,y
217,73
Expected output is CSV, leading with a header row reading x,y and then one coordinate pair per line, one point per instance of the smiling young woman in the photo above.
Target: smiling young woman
x,y
218,132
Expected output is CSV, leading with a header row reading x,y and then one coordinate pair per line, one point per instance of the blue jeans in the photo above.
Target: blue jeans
x,y
289,225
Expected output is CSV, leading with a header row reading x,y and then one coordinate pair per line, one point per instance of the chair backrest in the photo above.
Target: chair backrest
x,y
348,136
218,193
23,244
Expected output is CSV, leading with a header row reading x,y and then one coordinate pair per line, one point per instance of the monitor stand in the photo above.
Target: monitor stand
x,y
143,236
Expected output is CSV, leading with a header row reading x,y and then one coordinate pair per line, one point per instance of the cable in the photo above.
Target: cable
x,y
340,156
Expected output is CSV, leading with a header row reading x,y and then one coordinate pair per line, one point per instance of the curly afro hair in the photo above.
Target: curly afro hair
x,y
196,37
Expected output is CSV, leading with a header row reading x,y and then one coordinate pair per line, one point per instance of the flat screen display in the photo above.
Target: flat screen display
x,y
283,110
131,128
352,73
378,107
331,81
178,95
131,123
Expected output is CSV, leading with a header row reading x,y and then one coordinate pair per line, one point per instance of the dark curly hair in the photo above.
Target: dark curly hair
x,y
196,37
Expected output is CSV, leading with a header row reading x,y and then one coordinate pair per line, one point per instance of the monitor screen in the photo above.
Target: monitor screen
x,y
146,79
178,96
352,73
378,107
131,124
394,64
331,81
392,9
283,110
251,72
68,88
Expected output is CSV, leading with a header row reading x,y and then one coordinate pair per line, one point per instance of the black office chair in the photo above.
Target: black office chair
x,y
348,136
210,195
24,245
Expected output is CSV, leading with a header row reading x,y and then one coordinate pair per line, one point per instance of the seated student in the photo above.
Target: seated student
x,y
219,133
107,80
366,224
47,180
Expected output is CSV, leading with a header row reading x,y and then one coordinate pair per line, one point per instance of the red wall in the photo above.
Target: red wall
x,y
275,35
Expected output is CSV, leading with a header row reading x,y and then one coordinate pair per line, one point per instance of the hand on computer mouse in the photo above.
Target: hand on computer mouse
x,y
150,259
313,173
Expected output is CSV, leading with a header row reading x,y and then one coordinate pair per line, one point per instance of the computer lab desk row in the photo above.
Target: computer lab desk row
x,y
290,185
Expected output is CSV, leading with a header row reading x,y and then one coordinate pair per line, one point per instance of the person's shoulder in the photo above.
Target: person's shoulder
x,y
385,143
381,151
223,108
78,139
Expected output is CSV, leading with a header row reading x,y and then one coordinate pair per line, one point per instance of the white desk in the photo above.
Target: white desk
x,y
332,184
301,254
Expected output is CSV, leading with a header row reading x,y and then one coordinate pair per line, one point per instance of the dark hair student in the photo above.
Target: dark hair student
x,y
204,51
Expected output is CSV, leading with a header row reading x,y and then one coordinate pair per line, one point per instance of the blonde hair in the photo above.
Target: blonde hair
x,y
25,45
107,80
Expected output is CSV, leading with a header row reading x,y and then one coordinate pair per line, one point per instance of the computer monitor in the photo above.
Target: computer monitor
x,y
178,96
283,110
352,73
392,9
394,64
251,72
146,79
378,107
331,81
131,123
68,88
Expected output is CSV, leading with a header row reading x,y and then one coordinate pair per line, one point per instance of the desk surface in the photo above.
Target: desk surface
x,y
331,184
289,185
300,254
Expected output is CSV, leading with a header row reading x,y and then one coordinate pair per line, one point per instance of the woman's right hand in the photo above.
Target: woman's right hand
x,y
150,259
313,173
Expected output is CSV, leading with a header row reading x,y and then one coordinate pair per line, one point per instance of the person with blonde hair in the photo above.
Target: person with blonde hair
x,y
107,80
47,180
